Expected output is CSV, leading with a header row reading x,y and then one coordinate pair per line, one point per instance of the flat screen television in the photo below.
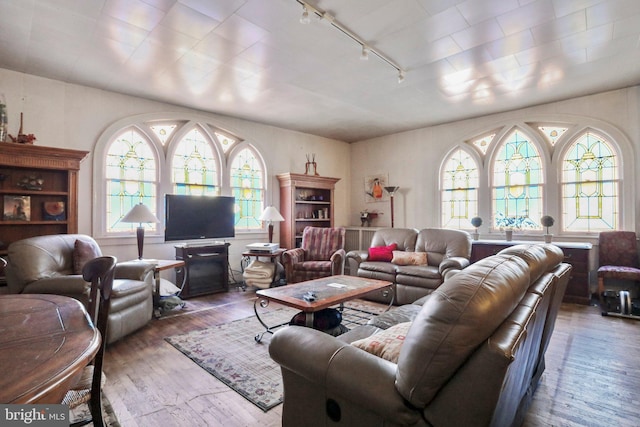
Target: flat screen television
x,y
198,217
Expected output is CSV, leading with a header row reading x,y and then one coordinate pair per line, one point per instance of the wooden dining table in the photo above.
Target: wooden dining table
x,y
45,342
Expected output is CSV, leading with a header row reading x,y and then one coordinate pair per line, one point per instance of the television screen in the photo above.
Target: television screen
x,y
198,217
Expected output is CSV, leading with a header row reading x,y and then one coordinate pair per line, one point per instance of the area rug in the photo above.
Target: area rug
x,y
230,353
82,412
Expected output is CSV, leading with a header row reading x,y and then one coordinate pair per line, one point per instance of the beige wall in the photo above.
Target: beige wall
x,y
73,116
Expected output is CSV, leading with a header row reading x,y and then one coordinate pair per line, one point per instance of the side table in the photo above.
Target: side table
x,y
158,266
274,257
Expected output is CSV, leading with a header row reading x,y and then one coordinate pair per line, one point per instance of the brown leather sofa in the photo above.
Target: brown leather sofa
x,y
45,265
472,356
447,250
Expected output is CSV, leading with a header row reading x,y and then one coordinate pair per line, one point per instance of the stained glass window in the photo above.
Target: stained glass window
x,y
225,141
483,143
590,183
131,178
552,133
247,186
517,183
193,167
163,132
459,190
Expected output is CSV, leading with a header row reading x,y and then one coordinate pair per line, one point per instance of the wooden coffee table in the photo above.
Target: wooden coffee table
x,y
315,295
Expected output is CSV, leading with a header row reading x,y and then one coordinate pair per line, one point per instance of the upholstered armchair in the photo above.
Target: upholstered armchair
x,y
53,265
321,254
618,261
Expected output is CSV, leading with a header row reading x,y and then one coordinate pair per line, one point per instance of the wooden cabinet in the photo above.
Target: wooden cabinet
x,y
206,268
576,254
305,200
38,191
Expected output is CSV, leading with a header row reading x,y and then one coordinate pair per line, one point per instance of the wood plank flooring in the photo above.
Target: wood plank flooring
x,y
592,376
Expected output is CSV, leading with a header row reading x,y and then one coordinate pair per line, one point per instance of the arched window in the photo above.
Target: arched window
x,y
459,190
131,177
590,185
517,183
193,166
140,159
247,186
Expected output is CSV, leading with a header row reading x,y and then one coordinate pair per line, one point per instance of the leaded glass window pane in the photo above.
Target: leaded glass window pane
x,y
590,185
131,178
459,190
163,132
552,133
483,143
247,186
193,167
225,142
517,184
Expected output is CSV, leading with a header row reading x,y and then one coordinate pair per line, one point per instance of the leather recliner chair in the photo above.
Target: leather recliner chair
x,y
45,265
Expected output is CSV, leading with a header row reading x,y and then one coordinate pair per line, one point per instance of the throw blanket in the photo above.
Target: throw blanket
x,y
259,274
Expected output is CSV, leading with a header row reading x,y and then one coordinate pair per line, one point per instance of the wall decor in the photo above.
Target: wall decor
x,y
17,208
374,188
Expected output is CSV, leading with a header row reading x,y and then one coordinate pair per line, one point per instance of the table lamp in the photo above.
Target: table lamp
x,y
271,215
140,213
391,190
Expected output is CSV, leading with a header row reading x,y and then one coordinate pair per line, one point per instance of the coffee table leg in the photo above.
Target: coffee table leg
x,y
268,329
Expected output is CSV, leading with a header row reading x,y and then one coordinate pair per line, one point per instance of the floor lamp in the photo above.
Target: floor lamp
x,y
271,215
141,214
391,190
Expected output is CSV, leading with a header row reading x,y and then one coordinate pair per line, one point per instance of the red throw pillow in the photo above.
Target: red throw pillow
x,y
382,253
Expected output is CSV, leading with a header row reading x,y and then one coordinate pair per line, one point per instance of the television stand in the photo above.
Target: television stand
x,y
206,269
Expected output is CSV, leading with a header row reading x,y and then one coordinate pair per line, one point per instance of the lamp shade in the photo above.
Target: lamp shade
x,y
392,189
271,214
140,213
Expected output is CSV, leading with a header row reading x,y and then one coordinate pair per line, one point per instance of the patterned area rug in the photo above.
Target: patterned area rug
x,y
82,412
230,353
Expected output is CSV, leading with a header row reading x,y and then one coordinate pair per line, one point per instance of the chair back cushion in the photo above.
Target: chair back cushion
x,y
463,312
320,243
41,257
443,243
618,248
405,238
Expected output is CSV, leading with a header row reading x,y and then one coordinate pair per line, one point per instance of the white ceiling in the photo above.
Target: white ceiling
x,y
253,58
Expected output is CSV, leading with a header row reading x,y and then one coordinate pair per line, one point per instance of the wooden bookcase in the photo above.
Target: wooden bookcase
x,y
305,200
30,176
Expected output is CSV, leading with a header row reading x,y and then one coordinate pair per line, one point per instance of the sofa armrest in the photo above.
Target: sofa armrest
x,y
455,263
337,262
343,371
354,258
134,270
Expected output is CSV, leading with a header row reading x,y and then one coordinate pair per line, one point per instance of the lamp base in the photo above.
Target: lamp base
x,y
140,237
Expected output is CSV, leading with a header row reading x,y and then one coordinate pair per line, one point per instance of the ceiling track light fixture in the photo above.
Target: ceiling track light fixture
x,y
366,49
304,19
365,53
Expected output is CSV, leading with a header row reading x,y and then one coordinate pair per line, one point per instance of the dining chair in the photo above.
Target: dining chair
x,y
618,261
99,271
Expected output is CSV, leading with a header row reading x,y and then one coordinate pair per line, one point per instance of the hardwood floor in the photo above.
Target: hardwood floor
x,y
592,376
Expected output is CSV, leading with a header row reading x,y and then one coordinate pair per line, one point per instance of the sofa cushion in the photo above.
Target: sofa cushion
x,y
409,258
382,253
458,316
386,343
83,252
